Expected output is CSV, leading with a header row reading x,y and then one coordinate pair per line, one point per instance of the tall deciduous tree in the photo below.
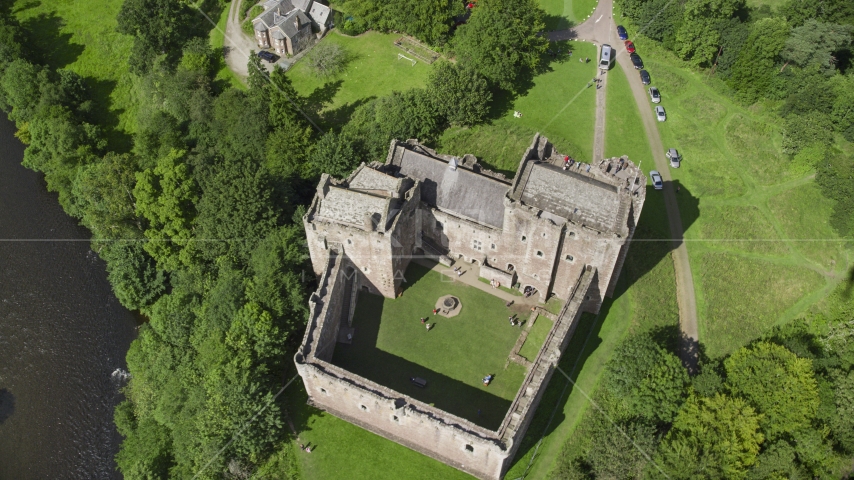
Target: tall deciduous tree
x,y
698,38
166,196
754,70
715,438
158,27
814,44
460,93
503,40
779,384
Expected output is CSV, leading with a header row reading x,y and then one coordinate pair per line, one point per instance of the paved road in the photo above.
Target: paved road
x,y
598,29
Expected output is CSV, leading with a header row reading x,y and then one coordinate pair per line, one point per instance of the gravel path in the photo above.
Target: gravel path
x,y
237,44
598,29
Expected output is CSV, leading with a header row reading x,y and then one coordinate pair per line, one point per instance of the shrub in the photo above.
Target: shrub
x,y
327,59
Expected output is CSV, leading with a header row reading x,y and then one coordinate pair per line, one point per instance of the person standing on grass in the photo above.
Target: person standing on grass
x,y
423,319
428,327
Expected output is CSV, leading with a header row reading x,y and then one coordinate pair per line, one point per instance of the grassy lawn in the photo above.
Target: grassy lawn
x,y
759,242
391,345
81,36
624,133
536,338
343,450
373,71
558,105
562,14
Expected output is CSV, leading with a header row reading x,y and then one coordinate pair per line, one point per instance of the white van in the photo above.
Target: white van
x,y
606,57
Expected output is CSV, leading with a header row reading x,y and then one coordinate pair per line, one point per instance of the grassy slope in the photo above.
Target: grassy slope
x,y
760,247
391,345
81,36
624,133
558,105
373,71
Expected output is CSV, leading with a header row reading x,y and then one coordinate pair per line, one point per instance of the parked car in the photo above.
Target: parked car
x,y
644,77
636,61
654,95
630,47
622,33
656,179
659,114
268,56
674,157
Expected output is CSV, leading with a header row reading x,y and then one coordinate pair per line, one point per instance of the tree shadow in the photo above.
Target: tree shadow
x,y
550,412
7,405
338,117
322,96
100,91
557,22
47,44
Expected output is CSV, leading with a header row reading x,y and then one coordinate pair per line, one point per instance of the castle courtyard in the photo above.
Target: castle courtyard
x,y
391,345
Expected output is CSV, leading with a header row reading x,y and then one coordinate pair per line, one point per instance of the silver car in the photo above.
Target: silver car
x,y
659,114
674,157
654,95
656,179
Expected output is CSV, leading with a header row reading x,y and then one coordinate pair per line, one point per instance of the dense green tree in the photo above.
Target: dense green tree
x,y
103,197
714,438
734,35
333,154
801,131
814,44
136,280
753,71
59,144
166,196
842,424
146,451
660,20
158,27
650,380
235,210
698,38
619,451
240,125
20,82
198,56
427,20
779,384
460,93
503,40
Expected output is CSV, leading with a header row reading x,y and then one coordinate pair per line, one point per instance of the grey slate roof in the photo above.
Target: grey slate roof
x,y
280,19
369,179
574,196
462,192
319,13
348,206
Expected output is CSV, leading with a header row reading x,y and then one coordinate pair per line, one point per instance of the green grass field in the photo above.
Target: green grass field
x,y
81,36
391,345
759,242
562,14
536,338
373,71
558,105
624,133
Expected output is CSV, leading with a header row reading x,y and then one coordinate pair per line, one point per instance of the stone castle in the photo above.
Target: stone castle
x,y
559,229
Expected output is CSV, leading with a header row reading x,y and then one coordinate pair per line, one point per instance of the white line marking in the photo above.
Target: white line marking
x,y
600,18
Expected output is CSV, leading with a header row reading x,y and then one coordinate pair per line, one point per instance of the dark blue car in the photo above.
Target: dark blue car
x,y
621,32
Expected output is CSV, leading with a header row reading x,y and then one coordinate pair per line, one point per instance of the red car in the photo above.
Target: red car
x,y
630,47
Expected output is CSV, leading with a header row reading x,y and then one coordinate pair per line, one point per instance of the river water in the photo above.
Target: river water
x,y
62,335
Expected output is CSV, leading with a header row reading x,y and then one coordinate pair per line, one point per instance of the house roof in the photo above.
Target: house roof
x,y
367,178
319,13
280,16
460,191
351,207
574,196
